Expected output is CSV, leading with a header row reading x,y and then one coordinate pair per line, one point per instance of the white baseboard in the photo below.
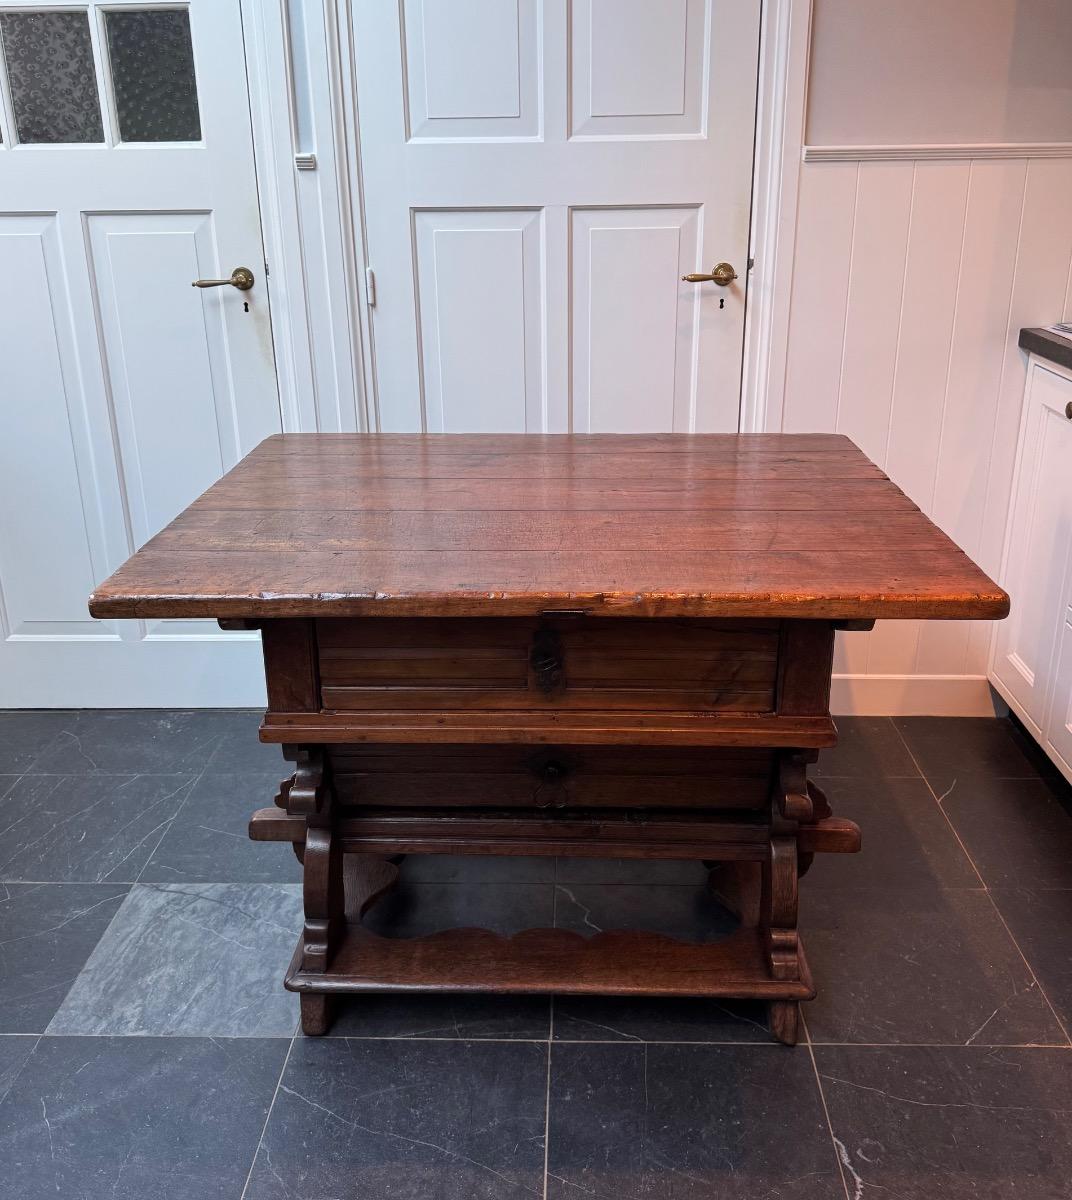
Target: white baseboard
x,y
911,696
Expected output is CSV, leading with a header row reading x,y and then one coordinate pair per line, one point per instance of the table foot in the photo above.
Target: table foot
x,y
317,1013
784,1019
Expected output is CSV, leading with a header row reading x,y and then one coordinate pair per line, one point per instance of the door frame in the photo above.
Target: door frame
x,y
781,114
303,102
296,70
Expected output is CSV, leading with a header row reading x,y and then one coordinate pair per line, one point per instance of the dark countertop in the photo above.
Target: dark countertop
x,y
1047,345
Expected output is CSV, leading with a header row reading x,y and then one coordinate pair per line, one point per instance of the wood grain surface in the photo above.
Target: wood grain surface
x,y
704,525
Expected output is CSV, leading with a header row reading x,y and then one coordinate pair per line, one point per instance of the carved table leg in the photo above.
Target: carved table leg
x,y
325,918
310,794
791,803
779,908
317,1013
323,894
779,919
783,1016
338,888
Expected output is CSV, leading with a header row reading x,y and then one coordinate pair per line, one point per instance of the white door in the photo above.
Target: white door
x,y
538,175
126,173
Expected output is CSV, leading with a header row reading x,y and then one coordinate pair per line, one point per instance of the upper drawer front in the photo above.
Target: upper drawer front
x,y
388,664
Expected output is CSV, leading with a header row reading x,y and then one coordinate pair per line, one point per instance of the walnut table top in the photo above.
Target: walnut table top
x,y
674,525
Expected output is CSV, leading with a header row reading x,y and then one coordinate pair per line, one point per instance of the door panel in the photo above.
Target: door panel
x,y
461,86
479,287
601,133
637,68
635,327
44,594
127,391
164,357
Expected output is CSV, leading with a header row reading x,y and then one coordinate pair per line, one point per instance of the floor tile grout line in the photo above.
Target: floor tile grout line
x,y
547,1097
561,1041
268,1116
12,881
938,801
96,774
986,888
543,1041
826,1109
945,1045
1030,968
119,883
208,1037
550,1043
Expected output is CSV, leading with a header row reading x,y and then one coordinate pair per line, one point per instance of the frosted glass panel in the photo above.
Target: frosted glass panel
x,y
153,76
53,82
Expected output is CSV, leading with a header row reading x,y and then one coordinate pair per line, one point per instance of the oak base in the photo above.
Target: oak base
x,y
550,961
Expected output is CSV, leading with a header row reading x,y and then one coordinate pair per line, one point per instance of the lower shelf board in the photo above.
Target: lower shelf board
x,y
552,961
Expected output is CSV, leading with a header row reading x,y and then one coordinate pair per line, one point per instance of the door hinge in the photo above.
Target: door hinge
x,y
370,287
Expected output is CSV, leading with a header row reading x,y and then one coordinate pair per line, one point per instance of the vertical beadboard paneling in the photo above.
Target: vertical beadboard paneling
x,y
912,281
913,420
977,357
872,318
873,311
819,294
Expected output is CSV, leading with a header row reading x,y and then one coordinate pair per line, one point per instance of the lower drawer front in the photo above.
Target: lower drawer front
x,y
592,777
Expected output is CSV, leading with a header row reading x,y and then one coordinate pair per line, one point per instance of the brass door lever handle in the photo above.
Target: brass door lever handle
x,y
241,278
722,274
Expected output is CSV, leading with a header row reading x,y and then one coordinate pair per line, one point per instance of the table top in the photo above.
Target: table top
x,y
664,525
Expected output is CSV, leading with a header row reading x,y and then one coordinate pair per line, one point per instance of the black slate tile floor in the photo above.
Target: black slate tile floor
x,y
210,842
147,1048
47,932
129,1118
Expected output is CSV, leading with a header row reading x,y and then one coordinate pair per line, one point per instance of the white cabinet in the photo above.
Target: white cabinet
x,y
1059,719
1031,665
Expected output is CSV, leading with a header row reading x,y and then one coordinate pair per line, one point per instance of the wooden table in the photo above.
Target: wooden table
x,y
597,646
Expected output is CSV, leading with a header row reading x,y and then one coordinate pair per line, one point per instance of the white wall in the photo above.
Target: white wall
x,y
917,71
912,279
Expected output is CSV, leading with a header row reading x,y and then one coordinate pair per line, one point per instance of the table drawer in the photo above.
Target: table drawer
x,y
586,663
588,777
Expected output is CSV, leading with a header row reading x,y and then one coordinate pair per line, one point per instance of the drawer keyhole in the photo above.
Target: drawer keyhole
x,y
545,658
551,790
